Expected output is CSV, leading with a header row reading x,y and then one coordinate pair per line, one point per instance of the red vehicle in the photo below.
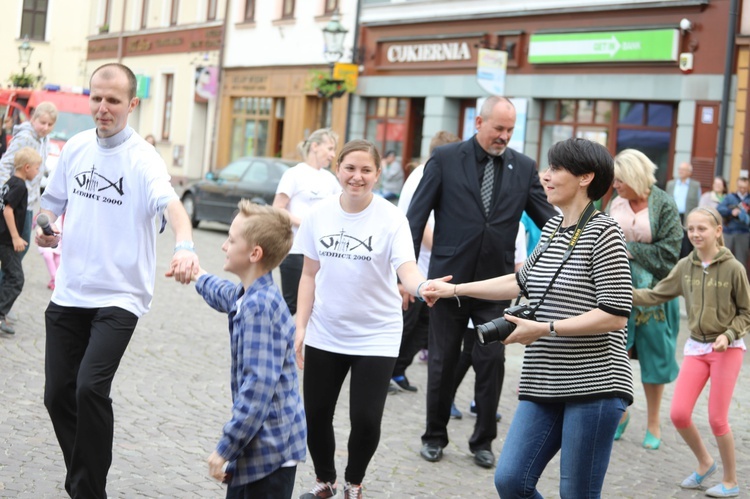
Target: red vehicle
x,y
72,106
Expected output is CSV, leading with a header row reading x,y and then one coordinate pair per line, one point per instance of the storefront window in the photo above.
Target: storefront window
x,y
386,124
646,126
250,125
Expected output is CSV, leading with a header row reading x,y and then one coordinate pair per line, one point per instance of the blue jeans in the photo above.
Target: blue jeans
x,y
583,432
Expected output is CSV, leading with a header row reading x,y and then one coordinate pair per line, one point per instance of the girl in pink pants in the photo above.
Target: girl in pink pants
x,y
52,258
717,298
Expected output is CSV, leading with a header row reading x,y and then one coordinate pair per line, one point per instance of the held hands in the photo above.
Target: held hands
x,y
216,466
721,343
184,266
526,332
434,289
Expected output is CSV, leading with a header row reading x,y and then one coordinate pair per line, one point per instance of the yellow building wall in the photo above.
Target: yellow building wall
x,y
739,138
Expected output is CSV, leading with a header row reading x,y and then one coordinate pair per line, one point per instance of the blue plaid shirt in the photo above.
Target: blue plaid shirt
x,y
268,425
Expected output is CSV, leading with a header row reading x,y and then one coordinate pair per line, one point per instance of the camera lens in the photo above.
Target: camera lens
x,y
494,330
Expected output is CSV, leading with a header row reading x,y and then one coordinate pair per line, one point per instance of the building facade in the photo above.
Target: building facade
x,y
273,50
57,35
638,74
174,47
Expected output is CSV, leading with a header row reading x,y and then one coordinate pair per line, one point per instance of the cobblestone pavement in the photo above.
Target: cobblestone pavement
x,y
171,398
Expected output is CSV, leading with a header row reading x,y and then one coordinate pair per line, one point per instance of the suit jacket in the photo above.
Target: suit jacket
x,y
693,195
466,244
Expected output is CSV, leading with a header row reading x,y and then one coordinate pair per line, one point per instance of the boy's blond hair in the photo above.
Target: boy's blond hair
x,y
26,156
47,108
269,228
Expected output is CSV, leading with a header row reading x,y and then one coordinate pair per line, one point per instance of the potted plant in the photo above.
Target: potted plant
x,y
326,86
22,80
104,28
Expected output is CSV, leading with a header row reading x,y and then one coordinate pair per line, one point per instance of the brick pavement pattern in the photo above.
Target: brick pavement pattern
x,y
171,397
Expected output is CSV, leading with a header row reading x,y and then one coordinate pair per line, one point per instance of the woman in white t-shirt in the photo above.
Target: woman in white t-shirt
x,y
349,315
299,189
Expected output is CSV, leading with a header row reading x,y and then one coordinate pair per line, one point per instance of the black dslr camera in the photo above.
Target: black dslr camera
x,y
499,329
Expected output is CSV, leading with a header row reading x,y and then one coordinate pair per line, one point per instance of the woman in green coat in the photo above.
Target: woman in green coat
x,y
651,224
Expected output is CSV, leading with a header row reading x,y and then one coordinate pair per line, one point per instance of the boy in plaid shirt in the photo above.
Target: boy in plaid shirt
x,y
261,445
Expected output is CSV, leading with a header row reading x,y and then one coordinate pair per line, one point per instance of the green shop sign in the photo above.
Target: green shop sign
x,y
605,46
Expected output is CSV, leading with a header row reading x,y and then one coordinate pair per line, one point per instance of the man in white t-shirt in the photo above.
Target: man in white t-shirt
x,y
112,185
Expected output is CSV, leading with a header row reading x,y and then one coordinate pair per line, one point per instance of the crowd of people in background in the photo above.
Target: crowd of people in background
x,y
366,285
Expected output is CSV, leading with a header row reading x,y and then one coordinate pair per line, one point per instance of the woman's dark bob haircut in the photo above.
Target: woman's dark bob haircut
x,y
581,156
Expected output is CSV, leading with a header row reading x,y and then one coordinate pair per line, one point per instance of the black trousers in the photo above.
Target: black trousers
x,y
83,351
414,338
277,485
12,281
291,272
464,360
447,326
368,388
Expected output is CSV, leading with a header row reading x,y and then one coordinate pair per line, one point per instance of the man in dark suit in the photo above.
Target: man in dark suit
x,y
479,189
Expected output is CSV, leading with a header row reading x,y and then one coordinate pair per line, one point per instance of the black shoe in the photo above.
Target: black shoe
x,y
403,383
484,458
431,452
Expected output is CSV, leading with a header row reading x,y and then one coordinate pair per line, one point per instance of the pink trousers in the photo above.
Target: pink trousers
x,y
722,368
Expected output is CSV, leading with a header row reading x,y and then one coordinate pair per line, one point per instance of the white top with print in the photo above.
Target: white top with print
x,y
357,307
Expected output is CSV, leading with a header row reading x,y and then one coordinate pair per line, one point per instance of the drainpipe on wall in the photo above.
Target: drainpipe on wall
x,y
219,80
122,32
355,59
728,65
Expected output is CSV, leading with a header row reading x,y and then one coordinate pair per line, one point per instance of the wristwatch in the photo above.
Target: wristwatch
x,y
552,331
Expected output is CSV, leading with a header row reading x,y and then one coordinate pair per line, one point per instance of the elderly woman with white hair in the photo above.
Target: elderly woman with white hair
x,y
650,222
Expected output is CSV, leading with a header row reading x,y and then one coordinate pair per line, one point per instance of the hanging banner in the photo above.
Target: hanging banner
x,y
206,83
492,66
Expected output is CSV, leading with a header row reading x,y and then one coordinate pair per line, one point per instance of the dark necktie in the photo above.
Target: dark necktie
x,y
488,181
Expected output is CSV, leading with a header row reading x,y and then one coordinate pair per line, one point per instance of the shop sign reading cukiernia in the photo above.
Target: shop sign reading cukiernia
x,y
605,46
429,52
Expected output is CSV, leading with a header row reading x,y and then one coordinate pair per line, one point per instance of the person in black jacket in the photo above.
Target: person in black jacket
x,y
478,188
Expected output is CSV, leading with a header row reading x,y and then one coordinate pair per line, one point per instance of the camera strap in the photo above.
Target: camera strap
x,y
587,214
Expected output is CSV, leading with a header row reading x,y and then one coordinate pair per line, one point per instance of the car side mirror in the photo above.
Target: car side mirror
x,y
210,176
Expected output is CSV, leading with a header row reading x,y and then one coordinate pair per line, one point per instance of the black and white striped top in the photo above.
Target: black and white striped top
x,y
597,275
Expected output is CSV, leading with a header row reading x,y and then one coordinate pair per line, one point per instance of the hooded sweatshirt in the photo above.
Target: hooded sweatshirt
x,y
717,298
24,135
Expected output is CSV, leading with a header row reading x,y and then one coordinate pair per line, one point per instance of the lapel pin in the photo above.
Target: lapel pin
x,y
510,167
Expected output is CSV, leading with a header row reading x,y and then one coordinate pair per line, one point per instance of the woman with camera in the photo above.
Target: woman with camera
x,y
576,381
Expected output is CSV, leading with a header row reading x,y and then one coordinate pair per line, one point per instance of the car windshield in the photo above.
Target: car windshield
x,y
234,171
69,124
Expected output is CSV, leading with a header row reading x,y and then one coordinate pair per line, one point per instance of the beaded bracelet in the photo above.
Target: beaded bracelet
x,y
419,295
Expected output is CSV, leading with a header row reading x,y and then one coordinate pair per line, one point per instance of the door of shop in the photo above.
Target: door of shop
x,y
705,140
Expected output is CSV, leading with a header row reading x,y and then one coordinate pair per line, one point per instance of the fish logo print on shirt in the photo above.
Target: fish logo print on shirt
x,y
344,246
94,185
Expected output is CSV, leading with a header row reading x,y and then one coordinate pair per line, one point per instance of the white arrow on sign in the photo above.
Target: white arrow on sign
x,y
574,47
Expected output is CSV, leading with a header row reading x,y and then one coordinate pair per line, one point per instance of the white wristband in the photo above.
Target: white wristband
x,y
184,245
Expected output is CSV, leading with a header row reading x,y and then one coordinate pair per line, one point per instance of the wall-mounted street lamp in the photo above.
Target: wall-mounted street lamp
x,y
24,54
333,36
